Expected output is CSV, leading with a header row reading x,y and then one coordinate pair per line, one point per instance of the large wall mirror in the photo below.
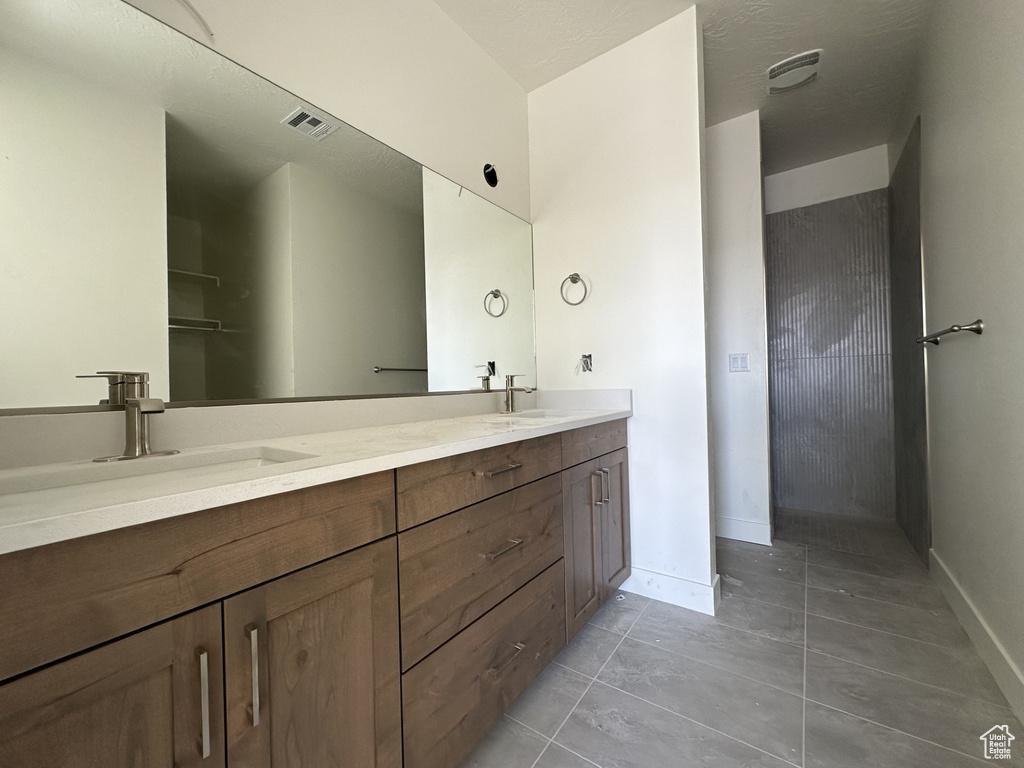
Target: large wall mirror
x,y
163,209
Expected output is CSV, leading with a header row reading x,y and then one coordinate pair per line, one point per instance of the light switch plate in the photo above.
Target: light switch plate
x,y
739,363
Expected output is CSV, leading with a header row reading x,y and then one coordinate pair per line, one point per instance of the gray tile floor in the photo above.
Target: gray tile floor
x,y
819,657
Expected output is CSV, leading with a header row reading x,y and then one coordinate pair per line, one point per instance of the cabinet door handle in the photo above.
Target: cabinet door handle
x,y
503,470
513,543
606,485
598,497
254,644
204,699
496,671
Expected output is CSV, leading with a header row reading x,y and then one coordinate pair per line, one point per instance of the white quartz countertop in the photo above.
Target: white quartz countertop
x,y
56,502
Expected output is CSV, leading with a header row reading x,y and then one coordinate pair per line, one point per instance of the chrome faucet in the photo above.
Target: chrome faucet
x,y
510,390
121,385
131,389
485,381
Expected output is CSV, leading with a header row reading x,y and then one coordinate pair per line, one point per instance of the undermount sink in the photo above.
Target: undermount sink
x,y
538,413
182,465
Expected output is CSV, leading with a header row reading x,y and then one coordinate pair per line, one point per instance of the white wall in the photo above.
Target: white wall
x,y
471,248
269,209
399,70
972,188
737,323
71,276
616,187
319,331
357,290
842,176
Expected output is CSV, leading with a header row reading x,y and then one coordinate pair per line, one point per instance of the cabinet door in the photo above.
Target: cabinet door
x,y
614,513
152,700
312,666
581,504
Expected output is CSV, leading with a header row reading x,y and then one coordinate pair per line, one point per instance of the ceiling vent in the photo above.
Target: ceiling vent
x,y
309,122
789,74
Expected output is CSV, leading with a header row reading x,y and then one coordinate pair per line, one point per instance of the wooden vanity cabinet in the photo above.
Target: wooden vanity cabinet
x,y
595,505
299,629
152,700
315,656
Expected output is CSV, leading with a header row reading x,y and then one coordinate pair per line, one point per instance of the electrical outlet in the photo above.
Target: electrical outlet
x,y
587,363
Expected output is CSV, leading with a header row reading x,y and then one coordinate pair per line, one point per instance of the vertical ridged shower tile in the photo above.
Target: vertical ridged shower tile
x,y
830,380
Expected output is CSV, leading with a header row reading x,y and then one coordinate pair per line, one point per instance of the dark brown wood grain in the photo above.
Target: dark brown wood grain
x,y
450,574
134,702
579,445
434,488
453,697
329,665
62,598
615,547
582,522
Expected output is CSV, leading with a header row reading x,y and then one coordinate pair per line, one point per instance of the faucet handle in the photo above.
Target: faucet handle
x,y
145,404
510,378
115,385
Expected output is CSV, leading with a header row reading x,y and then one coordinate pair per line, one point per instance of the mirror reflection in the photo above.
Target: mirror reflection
x,y
163,209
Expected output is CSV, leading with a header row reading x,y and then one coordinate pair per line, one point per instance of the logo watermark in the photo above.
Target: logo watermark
x,y
997,742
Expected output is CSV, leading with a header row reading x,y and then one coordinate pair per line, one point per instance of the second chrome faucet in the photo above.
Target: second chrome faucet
x,y
510,392
131,389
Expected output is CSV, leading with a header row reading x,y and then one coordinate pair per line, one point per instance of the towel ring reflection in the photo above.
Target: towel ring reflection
x,y
495,294
574,278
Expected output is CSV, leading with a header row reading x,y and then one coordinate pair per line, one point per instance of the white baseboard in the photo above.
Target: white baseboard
x,y
744,530
1006,673
672,589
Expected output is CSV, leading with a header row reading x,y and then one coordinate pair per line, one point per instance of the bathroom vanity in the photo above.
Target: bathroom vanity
x,y
386,618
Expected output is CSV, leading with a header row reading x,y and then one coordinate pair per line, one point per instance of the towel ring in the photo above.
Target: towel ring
x,y
495,294
574,278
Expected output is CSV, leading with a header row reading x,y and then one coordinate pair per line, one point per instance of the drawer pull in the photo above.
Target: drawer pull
x,y
513,543
606,485
496,671
503,470
254,644
204,699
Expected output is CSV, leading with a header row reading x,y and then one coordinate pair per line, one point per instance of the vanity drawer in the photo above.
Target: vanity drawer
x,y
579,445
434,488
451,699
456,568
100,587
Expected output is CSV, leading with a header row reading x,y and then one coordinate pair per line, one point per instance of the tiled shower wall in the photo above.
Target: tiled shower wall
x,y
830,383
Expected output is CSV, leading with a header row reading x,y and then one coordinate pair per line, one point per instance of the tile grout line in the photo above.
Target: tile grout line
x,y
695,722
917,582
549,741
895,730
912,680
590,684
803,737
887,632
720,668
762,602
845,593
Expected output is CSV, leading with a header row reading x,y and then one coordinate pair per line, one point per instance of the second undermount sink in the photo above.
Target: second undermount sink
x,y
538,413
189,464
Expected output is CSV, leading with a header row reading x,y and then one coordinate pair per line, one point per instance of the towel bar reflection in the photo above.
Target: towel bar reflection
x,y
378,369
933,338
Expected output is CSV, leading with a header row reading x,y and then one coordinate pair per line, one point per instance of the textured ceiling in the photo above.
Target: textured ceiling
x,y
536,41
870,56
871,51
223,122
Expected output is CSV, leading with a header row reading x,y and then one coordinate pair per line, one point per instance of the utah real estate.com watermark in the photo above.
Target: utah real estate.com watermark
x,y
997,742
